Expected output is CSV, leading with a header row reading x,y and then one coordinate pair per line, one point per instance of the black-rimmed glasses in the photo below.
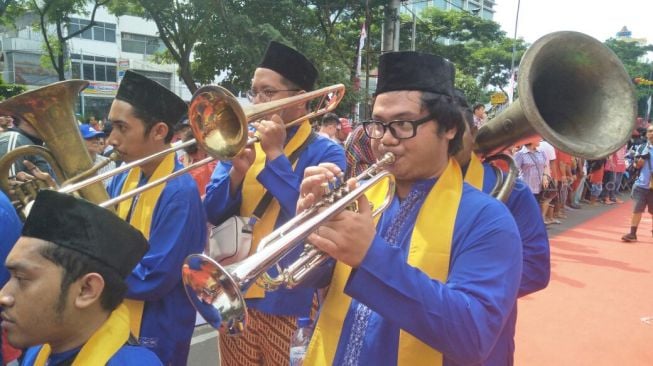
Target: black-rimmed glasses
x,y
266,94
399,129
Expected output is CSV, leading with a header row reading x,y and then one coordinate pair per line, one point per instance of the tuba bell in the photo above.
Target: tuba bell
x,y
50,111
574,92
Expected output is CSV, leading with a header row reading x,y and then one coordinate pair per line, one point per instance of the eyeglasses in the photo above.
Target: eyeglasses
x,y
399,129
265,94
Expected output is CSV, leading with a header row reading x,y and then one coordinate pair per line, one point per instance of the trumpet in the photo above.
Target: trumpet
x,y
217,292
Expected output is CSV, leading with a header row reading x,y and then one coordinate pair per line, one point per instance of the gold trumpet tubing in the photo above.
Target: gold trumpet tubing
x,y
304,226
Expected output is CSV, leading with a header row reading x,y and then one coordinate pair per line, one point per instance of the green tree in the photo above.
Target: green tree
x,y
325,31
630,54
9,90
4,4
478,47
181,24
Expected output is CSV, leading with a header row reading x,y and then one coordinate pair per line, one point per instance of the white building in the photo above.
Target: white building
x,y
100,55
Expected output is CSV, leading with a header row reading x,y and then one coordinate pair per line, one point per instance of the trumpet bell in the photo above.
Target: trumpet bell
x,y
218,122
215,294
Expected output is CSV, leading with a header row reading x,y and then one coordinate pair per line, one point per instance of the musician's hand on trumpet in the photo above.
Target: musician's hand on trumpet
x,y
348,235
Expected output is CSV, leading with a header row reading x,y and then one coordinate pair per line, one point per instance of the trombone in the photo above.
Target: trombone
x,y
220,126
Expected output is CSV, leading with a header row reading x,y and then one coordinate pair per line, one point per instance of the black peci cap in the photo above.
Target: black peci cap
x,y
84,227
415,71
151,97
290,64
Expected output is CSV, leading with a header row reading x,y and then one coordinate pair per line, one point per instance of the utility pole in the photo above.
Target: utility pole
x,y
512,63
391,27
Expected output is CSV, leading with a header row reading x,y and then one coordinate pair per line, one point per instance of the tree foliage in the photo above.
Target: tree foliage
x,y
631,54
181,24
9,90
478,47
327,32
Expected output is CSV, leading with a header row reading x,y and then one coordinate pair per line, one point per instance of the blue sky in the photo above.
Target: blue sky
x,y
599,19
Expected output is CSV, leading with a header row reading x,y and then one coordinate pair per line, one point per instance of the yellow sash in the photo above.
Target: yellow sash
x,y
430,248
253,191
141,219
102,345
475,171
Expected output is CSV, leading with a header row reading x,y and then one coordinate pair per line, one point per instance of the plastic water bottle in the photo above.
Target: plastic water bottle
x,y
299,341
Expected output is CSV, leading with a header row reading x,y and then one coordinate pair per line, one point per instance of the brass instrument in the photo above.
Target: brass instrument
x,y
574,92
218,122
217,291
50,111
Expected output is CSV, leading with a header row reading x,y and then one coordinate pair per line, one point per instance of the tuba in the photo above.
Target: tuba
x,y
574,92
50,111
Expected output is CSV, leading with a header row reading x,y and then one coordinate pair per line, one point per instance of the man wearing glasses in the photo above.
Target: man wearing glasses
x,y
434,280
275,165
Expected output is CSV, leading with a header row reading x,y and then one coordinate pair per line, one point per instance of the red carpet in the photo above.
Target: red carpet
x,y
595,309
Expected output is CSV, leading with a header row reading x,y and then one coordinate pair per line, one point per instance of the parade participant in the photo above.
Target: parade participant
x,y
238,186
93,140
536,267
9,233
358,151
435,279
170,215
329,126
643,186
63,299
22,134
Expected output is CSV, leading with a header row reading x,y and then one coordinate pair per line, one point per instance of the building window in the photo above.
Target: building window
x,y
144,45
97,68
105,32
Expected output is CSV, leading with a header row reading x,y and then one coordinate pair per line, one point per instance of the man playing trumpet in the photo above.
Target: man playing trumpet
x,y
434,280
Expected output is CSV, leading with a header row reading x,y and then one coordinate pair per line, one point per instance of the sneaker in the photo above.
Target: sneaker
x,y
629,238
573,206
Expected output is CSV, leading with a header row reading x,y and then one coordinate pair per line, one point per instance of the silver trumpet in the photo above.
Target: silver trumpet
x,y
217,292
